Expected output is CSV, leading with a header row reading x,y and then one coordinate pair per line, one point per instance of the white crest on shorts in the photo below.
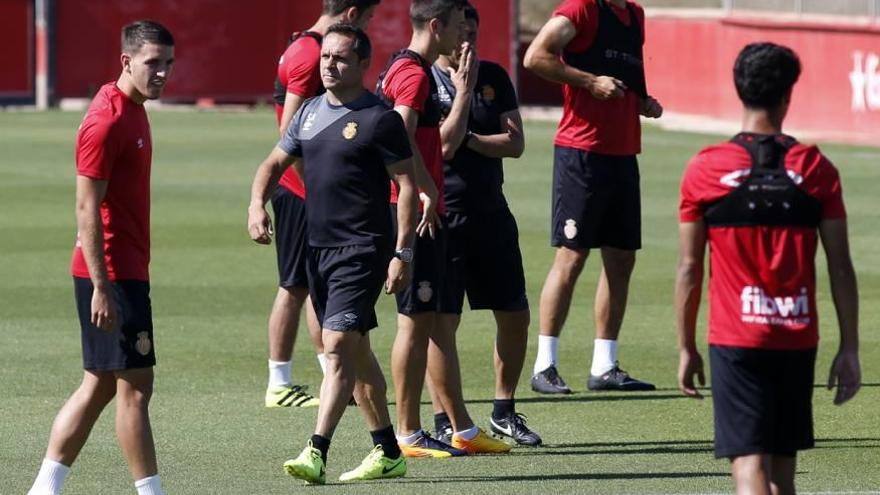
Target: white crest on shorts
x,y
570,229
425,292
143,344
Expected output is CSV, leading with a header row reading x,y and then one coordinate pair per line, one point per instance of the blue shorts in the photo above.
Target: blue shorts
x,y
763,400
485,262
345,283
426,291
290,238
596,200
131,344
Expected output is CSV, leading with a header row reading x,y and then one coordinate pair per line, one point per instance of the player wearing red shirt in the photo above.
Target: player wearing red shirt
x,y
298,78
408,85
762,201
594,49
110,265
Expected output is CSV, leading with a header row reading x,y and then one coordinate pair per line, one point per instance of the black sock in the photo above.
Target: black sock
x,y
322,444
441,421
502,408
385,437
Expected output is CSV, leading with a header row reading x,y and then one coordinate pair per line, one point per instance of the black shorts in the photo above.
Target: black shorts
x,y
345,283
484,261
763,400
427,288
596,200
290,238
131,344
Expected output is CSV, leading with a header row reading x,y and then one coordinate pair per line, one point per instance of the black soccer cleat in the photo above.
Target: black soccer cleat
x,y
445,434
617,379
514,426
549,382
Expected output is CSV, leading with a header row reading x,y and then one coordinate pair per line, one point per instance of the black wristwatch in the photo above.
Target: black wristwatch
x,y
404,254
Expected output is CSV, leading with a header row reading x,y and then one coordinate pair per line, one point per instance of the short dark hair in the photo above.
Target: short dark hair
x,y
361,44
140,33
764,73
471,14
422,11
336,7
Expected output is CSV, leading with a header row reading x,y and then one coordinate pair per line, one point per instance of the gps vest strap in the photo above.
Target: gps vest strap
x,y
767,194
280,93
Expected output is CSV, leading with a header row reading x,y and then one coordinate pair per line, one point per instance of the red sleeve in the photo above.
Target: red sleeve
x,y
407,84
584,14
96,149
690,209
302,72
822,181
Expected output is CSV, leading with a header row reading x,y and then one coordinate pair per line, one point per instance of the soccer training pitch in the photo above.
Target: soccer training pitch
x,y
212,289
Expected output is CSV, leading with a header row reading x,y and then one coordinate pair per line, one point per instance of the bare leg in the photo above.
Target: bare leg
x,y
612,291
341,350
751,474
782,470
134,388
445,372
284,320
409,357
559,289
75,420
370,388
511,341
314,327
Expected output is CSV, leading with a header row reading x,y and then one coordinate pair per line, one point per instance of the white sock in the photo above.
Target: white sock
x,y
604,356
468,434
409,439
322,360
548,353
279,374
50,478
149,486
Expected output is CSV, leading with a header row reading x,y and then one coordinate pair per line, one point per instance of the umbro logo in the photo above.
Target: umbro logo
x,y
140,143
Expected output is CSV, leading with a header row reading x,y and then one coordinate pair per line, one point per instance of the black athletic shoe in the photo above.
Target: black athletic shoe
x,y
514,426
445,434
617,379
549,382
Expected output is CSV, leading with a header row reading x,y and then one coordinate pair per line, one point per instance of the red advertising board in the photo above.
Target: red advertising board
x,y
17,55
228,50
690,69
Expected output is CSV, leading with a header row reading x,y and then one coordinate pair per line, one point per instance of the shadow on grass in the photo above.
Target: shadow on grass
x,y
624,396
563,477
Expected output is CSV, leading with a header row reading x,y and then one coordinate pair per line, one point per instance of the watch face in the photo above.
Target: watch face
x,y
405,254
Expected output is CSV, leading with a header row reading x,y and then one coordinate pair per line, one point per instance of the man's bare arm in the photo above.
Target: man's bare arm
x,y
292,102
265,181
429,194
688,291
508,144
89,195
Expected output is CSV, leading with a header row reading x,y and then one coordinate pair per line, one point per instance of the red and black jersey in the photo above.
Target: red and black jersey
x,y
762,198
114,145
298,73
608,42
407,80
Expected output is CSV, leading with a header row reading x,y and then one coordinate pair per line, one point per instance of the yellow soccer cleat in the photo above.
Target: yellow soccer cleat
x,y
308,466
291,396
376,466
480,444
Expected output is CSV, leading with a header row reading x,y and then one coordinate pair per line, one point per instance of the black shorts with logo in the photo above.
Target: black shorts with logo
x,y
290,238
426,291
130,345
763,400
345,283
485,262
596,200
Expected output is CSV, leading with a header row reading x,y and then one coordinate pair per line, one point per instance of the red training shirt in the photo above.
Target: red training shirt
x,y
114,145
762,280
407,84
612,126
299,71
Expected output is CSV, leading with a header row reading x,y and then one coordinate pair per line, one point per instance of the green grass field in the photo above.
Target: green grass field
x,y
212,290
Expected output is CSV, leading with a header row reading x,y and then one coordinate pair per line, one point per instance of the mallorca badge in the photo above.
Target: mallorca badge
x,y
350,130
